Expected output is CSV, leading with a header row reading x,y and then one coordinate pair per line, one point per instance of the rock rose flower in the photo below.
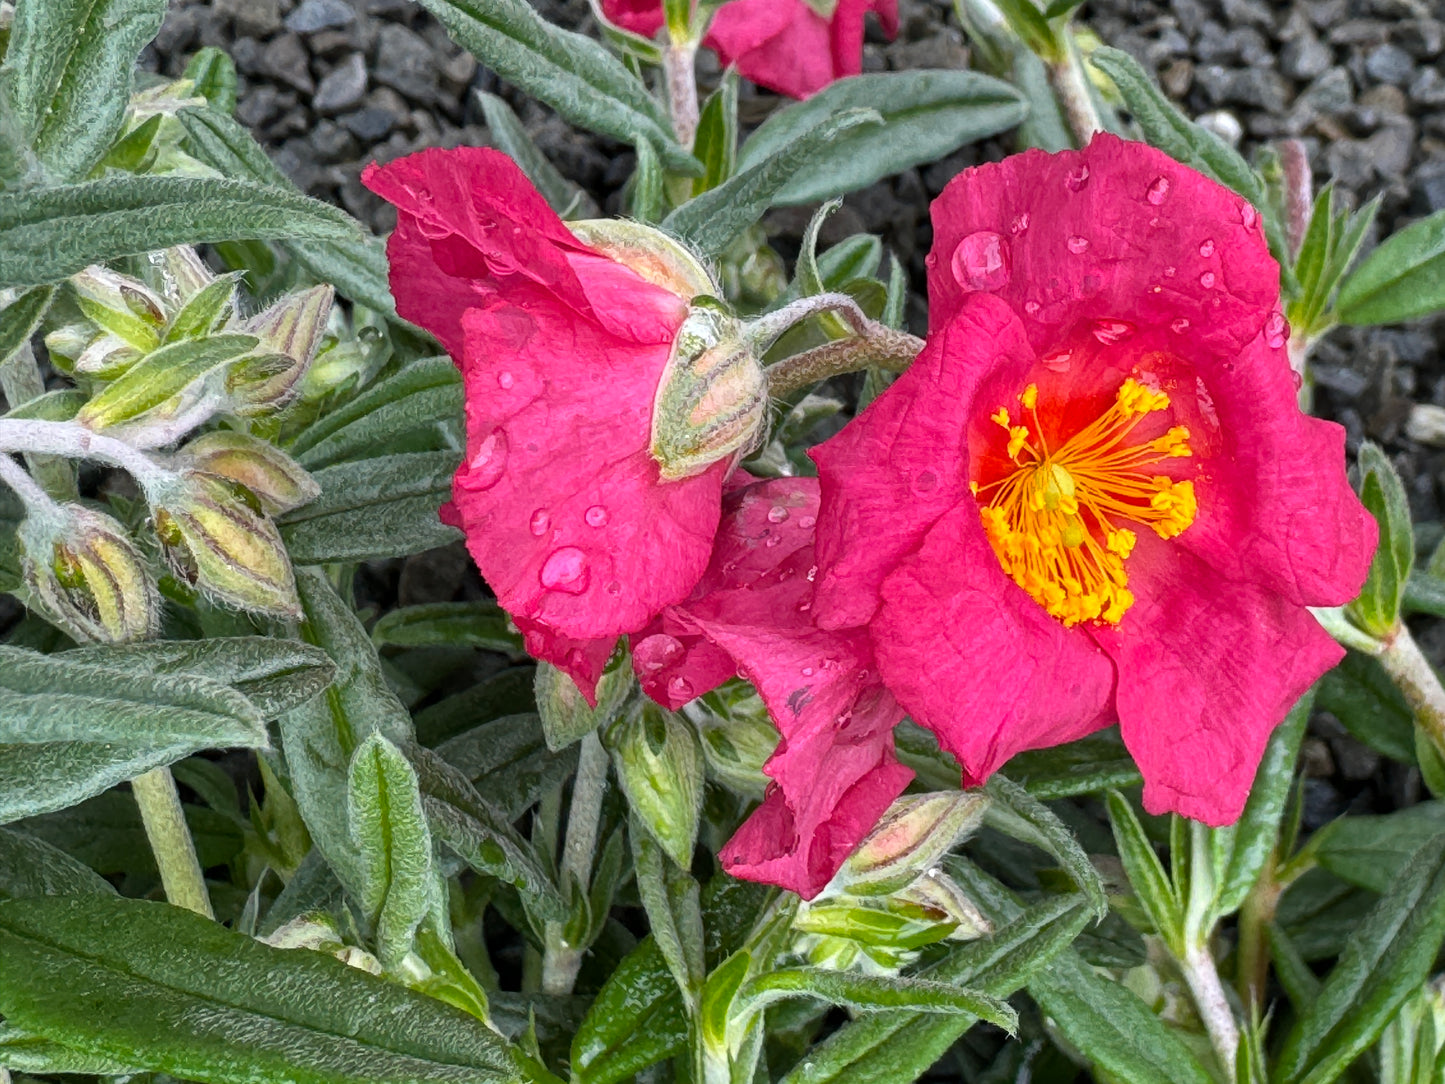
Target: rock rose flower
x,y
790,46
834,773
564,338
1093,496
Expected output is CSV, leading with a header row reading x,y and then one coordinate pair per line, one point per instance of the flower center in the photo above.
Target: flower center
x,y
1055,522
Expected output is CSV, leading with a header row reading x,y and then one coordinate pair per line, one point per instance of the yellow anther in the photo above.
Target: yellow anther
x,y
1018,436
1122,541
1029,396
1000,417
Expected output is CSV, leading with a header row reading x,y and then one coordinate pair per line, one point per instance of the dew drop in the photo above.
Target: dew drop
x,y
1170,271
1248,215
804,606
566,570
1207,280
1276,330
1298,378
807,671
1019,224
1077,178
1032,307
1078,245
433,231
812,573
773,540
777,514
539,522
487,463
925,481
656,653
1112,332
807,521
1058,361
1179,326
614,587
1207,249
981,261
505,380
679,688
596,516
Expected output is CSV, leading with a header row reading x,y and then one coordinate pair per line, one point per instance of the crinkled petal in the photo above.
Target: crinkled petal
x,y
902,463
581,660
974,659
639,16
1207,668
783,45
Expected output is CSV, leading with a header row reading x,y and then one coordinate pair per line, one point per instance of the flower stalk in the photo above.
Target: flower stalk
x,y
170,840
77,442
1071,86
561,960
1417,681
870,344
678,62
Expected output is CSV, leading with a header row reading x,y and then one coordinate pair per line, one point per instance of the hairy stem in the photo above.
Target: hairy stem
x,y
1257,912
892,350
1071,86
562,960
677,62
21,382
170,839
1202,978
1417,681
74,441
17,478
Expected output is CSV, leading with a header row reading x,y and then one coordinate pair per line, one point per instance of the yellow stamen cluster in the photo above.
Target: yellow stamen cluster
x,y
1053,522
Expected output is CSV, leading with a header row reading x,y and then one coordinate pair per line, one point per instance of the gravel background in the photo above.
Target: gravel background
x,y
328,85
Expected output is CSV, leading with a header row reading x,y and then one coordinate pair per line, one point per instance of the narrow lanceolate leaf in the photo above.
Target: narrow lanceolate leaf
x,y
1018,813
448,624
1378,606
637,1020
716,143
1146,873
875,993
155,987
572,73
47,234
20,319
564,197
1382,966
1088,766
670,897
32,867
710,221
927,115
162,374
69,730
371,509
68,72
1402,279
398,884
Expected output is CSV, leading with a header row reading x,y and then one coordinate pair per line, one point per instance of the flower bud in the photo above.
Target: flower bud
x,y
277,480
216,537
121,305
566,715
652,254
660,766
289,331
712,400
738,737
86,576
944,902
178,273
915,833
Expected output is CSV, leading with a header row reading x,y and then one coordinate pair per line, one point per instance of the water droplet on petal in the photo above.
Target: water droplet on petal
x,y
1248,215
1298,378
1077,178
1058,361
657,652
1207,280
1112,332
679,688
1179,326
925,481
807,671
807,521
1078,245
812,573
1019,224
539,522
487,463
505,380
1032,307
1158,189
1170,272
1206,249
596,516
614,587
1276,330
433,231
566,570
804,606
981,261
777,514
773,540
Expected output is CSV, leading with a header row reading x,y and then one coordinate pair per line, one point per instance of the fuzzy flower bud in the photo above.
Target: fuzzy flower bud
x,y
216,537
123,306
290,332
85,575
277,480
912,837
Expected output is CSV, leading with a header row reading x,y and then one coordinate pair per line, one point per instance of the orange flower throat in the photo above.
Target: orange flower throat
x,y
1056,521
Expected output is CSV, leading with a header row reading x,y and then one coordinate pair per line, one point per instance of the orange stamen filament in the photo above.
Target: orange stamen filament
x,y
1053,522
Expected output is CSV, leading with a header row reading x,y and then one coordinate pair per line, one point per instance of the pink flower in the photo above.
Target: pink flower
x,y
834,773
561,350
1094,496
785,45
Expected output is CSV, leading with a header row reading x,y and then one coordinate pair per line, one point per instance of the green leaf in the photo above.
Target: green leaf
x,y
1017,813
874,993
479,624
716,142
636,1020
68,72
1032,26
398,886
1146,872
21,1052
564,197
161,375
711,221
207,308
417,410
321,737
886,1047
370,509
1371,851
926,115
659,763
508,692
645,193
32,867
573,74
48,234
508,757
1377,608
20,319
1087,766
69,730
670,897
1402,279
566,715
354,264
214,74
276,675
1362,697
1382,965
154,986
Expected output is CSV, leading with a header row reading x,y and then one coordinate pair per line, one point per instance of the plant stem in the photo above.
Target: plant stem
x,y
1252,960
170,839
77,442
1417,681
677,62
17,478
21,381
562,960
872,343
1202,977
1071,86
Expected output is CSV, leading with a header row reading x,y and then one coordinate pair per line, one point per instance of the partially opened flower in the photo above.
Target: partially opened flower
x,y
603,409
1094,496
834,772
794,47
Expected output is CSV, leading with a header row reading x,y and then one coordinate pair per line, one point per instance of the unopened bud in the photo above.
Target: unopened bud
x,y
944,902
106,356
656,257
912,837
86,576
121,305
216,537
289,332
277,480
712,400
178,273
165,384
566,715
660,766
737,735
